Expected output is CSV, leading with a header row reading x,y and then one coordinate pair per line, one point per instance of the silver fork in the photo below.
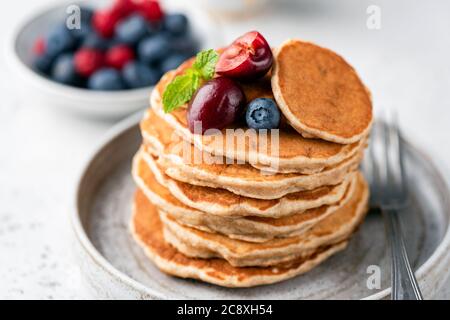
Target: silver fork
x,y
389,193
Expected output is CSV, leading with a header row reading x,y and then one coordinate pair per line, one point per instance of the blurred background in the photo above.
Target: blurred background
x,y
401,50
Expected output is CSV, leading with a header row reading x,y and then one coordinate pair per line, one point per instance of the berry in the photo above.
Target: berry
x,y
118,56
107,79
94,41
217,104
153,49
186,45
151,10
176,24
104,22
88,61
172,62
263,113
123,8
43,63
39,46
86,15
248,57
60,40
138,75
63,70
81,33
132,30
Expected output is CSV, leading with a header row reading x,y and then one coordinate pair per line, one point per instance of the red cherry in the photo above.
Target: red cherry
x,y
248,57
39,46
150,10
118,56
217,104
88,60
104,22
123,8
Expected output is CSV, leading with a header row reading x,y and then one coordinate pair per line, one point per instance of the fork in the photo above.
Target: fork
x,y
389,193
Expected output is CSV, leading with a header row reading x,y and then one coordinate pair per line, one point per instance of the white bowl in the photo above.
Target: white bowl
x,y
98,104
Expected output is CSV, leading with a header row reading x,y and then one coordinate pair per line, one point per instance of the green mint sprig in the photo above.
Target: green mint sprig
x,y
183,87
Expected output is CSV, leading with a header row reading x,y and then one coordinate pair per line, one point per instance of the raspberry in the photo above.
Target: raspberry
x,y
150,10
105,21
87,61
39,46
123,8
118,56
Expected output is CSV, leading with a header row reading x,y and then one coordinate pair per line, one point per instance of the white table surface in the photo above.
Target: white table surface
x,y
405,64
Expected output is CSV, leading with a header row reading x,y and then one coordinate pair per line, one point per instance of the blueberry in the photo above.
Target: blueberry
x,y
114,42
262,113
153,49
94,41
63,70
43,63
138,75
176,24
86,15
132,30
172,62
106,79
84,31
186,45
60,40
154,28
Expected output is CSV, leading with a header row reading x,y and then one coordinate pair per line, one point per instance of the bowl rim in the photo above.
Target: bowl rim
x,y
27,73
440,256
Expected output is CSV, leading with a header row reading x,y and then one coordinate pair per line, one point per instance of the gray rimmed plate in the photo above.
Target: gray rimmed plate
x,y
116,267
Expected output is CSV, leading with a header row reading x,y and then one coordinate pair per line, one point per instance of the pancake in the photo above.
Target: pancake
x,y
320,94
335,228
252,229
225,203
242,186
283,150
183,162
147,229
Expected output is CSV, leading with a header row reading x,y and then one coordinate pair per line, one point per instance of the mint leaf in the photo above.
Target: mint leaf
x,y
183,87
180,91
205,63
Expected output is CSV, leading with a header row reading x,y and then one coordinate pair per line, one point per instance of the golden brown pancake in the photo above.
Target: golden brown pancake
x,y
334,228
225,203
293,152
320,94
178,159
147,229
228,223
249,228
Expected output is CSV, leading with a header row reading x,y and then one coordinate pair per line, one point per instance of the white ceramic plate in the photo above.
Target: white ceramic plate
x,y
92,103
116,267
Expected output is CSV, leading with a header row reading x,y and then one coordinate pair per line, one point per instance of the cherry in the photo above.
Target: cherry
x,y
248,57
217,104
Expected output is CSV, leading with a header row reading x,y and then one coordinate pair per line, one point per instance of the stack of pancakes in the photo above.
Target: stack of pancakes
x,y
237,214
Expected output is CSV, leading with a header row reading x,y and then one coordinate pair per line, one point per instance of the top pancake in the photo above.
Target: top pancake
x,y
178,160
292,155
320,94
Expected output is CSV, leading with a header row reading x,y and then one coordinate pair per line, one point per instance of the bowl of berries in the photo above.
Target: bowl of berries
x,y
101,58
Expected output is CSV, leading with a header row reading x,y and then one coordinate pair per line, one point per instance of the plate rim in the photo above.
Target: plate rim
x,y
442,252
